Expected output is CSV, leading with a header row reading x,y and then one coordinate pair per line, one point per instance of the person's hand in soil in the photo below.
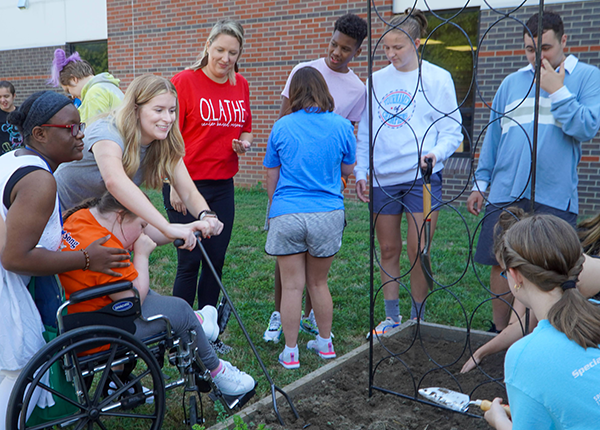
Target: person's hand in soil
x,y
472,362
497,417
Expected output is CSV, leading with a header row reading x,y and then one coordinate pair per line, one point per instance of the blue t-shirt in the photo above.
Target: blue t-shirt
x,y
552,382
310,148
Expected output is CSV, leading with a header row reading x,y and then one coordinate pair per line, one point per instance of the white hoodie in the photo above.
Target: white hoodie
x,y
405,124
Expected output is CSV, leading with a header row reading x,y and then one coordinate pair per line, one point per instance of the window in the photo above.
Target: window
x,y
448,47
95,53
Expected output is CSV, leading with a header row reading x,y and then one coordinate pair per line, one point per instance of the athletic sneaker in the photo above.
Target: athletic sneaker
x,y
309,324
208,319
324,349
273,332
290,360
232,381
219,347
384,326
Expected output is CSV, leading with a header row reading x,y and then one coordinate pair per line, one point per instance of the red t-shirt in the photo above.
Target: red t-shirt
x,y
211,115
80,230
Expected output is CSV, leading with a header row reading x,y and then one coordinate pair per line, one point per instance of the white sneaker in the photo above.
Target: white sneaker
x,y
273,332
209,325
324,349
232,381
289,359
385,325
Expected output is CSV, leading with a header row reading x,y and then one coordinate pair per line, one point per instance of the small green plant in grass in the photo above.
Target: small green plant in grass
x,y
241,425
221,412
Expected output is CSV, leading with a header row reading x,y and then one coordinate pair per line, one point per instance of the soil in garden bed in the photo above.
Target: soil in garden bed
x,y
341,401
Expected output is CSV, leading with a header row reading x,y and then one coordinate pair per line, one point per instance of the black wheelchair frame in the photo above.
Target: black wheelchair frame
x,y
124,380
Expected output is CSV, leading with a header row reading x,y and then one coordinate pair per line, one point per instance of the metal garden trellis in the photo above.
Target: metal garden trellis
x,y
374,15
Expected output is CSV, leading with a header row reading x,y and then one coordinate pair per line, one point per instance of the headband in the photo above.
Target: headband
x,y
42,109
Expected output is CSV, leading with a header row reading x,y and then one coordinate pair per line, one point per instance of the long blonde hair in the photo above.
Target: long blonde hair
x,y
228,27
163,155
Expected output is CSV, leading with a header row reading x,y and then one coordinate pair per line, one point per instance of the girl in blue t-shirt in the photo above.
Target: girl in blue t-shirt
x,y
307,154
552,375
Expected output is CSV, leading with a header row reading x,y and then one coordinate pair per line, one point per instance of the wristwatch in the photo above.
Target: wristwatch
x,y
203,214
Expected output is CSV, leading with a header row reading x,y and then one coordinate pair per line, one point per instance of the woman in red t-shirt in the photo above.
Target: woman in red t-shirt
x,y
216,125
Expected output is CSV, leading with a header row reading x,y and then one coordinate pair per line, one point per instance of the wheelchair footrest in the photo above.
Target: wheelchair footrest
x,y
234,402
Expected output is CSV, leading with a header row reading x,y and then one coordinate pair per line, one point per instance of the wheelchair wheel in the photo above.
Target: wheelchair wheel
x,y
120,387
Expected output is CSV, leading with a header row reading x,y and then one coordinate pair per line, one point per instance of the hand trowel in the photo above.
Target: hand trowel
x,y
456,401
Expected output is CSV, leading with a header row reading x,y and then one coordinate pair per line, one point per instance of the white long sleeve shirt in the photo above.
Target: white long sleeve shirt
x,y
410,117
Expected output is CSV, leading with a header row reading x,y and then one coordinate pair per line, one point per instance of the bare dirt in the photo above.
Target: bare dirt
x,y
341,401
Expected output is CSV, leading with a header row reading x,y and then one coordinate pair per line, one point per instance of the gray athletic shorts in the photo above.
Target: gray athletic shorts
x,y
395,199
318,233
484,253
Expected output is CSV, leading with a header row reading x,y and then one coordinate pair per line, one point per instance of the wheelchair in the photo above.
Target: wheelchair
x,y
99,376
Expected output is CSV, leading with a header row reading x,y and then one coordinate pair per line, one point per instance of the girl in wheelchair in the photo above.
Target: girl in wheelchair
x,y
103,216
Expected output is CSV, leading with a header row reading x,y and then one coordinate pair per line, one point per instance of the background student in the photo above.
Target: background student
x,y
306,216
415,117
349,95
98,93
571,89
10,138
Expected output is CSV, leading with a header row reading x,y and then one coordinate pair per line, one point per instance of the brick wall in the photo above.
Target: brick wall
x,y
166,36
27,69
280,34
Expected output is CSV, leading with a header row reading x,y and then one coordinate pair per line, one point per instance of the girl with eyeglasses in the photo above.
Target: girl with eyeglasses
x,y
49,123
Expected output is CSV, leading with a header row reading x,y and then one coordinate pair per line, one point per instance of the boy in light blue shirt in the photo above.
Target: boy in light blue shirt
x,y
569,114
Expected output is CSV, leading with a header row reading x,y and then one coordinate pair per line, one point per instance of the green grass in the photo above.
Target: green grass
x,y
248,277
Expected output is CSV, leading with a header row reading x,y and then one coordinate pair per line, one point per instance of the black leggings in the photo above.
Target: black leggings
x,y
219,195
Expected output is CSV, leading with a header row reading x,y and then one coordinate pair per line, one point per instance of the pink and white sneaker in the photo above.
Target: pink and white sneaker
x,y
322,347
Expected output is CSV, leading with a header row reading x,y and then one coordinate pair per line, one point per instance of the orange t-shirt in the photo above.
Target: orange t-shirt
x,y
80,230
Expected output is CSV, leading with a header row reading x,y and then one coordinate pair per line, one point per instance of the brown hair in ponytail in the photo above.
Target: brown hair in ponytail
x,y
106,203
412,21
546,250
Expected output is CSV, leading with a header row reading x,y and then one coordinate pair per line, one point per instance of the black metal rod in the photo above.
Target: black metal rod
x,y
371,219
254,350
536,107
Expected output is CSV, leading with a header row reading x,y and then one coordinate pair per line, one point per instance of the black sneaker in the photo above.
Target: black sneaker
x,y
493,328
219,347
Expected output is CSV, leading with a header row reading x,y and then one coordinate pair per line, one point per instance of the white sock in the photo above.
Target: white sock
x,y
323,342
294,349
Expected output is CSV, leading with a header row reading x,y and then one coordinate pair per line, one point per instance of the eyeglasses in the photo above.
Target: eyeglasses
x,y
75,128
503,274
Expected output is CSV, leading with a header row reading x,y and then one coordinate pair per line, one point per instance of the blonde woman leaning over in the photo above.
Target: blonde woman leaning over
x,y
137,144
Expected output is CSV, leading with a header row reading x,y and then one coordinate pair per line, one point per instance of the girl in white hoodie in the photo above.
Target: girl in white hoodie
x,y
415,117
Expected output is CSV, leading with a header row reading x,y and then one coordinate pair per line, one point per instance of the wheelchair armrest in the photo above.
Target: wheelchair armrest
x,y
99,291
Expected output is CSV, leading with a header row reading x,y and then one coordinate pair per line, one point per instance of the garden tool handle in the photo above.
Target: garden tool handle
x,y
486,405
426,173
180,242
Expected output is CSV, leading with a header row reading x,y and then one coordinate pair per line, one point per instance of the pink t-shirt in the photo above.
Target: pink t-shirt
x,y
348,91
